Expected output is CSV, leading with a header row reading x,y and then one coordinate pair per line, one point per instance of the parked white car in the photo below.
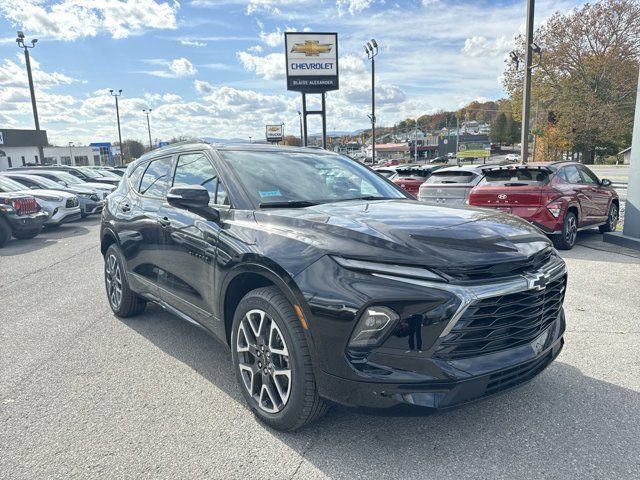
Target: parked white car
x,y
512,157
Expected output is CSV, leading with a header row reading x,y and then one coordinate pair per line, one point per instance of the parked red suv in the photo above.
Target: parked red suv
x,y
559,198
410,177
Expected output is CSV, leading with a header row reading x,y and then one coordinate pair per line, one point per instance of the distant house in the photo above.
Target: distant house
x,y
626,155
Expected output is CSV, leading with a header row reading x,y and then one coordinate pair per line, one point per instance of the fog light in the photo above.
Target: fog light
x,y
554,209
374,323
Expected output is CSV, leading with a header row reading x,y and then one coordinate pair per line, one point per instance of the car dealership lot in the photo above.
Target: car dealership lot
x,y
84,394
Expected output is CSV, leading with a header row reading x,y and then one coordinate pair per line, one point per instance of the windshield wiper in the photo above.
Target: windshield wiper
x,y
366,197
515,184
288,204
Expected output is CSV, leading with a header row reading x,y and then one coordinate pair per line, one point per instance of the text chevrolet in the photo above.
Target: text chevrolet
x,y
328,283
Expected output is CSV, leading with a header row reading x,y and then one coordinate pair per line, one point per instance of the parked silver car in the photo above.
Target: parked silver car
x,y
62,207
90,200
68,180
451,185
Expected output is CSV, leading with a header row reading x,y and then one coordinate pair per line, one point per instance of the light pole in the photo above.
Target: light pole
x,y
116,95
526,92
371,48
301,134
147,112
21,44
415,144
71,154
250,139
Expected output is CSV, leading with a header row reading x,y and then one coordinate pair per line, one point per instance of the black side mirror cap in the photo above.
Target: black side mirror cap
x,y
605,182
192,196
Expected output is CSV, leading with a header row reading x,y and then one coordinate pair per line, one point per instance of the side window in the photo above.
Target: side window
x,y
588,176
27,182
156,178
196,169
572,174
136,175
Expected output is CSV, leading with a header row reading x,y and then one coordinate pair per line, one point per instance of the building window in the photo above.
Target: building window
x,y
48,161
96,159
9,160
81,160
36,159
23,162
65,160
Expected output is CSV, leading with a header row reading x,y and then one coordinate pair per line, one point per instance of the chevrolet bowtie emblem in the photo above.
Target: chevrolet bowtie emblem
x,y
311,48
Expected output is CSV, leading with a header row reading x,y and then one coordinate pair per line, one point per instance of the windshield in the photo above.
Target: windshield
x,y
517,176
89,172
302,177
9,185
67,178
413,173
451,177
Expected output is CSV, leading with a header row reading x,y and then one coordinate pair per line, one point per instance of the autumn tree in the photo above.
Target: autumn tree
x,y
587,76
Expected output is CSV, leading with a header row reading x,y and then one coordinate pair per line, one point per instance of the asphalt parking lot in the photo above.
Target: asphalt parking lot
x,y
86,395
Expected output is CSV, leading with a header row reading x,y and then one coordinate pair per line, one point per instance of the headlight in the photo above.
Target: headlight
x,y
374,323
389,269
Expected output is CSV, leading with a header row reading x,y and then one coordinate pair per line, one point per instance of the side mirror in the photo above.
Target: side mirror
x,y
605,182
192,196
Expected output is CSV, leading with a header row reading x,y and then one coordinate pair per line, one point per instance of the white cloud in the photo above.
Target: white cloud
x,y
193,43
273,39
479,46
178,68
354,6
269,67
73,19
14,74
255,49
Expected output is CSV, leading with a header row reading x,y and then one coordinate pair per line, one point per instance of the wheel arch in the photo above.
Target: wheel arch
x,y
249,276
107,239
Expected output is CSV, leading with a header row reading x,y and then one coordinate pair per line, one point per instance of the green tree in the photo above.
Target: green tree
x,y
499,128
132,149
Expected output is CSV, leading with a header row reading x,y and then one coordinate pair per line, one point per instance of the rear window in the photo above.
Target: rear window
x,y
517,176
452,177
412,173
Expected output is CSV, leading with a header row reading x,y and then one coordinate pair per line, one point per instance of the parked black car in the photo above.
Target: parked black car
x,y
20,216
328,282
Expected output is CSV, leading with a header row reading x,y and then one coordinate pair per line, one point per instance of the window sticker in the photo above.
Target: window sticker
x,y
271,193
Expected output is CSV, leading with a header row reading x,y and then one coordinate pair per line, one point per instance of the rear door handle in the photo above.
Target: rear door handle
x,y
125,207
164,221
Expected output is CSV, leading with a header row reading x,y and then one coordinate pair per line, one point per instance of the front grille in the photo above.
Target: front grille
x,y
516,375
25,206
503,322
497,270
72,202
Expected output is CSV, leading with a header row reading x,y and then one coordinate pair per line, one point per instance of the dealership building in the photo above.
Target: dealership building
x,y
20,148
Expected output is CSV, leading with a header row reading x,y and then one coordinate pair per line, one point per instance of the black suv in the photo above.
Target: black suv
x,y
328,282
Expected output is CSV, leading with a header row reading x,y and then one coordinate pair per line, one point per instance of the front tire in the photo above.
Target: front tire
x,y
272,361
123,301
5,232
612,219
567,239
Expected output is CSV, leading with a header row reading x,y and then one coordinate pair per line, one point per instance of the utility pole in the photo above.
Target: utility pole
x,y
415,144
27,60
457,137
372,50
301,132
147,112
526,94
116,95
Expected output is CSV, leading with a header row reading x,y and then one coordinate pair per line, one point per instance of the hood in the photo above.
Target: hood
x,y
98,186
81,191
408,232
49,195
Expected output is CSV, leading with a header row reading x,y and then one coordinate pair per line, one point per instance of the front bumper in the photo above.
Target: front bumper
x,y
460,389
62,215
90,207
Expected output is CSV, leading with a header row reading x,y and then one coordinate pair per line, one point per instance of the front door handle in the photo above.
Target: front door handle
x,y
164,221
125,207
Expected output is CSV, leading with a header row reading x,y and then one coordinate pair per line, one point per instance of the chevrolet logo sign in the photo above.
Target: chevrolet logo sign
x,y
311,48
538,281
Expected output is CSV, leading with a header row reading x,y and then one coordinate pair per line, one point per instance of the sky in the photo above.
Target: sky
x,y
216,68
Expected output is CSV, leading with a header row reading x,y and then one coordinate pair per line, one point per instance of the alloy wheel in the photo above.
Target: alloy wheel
x,y
113,276
572,230
263,360
613,217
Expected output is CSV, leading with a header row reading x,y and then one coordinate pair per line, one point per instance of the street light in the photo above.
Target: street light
x,y
250,139
71,154
21,44
116,95
371,48
147,112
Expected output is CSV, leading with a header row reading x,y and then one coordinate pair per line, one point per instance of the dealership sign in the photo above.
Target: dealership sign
x,y
474,150
312,61
274,133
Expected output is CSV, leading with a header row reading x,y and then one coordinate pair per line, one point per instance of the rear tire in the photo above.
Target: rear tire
x,y
5,232
123,301
567,239
612,220
27,234
265,326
